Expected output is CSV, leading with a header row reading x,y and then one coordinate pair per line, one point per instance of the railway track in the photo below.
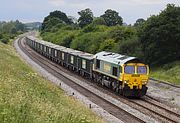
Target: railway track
x,y
111,108
145,104
163,113
165,83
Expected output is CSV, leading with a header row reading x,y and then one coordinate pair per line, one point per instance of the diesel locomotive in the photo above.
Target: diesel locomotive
x,y
126,75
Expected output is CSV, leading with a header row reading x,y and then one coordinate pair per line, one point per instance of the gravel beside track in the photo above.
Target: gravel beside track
x,y
164,93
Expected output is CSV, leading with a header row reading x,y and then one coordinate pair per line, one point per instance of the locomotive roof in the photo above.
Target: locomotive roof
x,y
114,58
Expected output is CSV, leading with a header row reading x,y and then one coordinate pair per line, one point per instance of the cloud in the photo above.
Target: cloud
x,y
78,5
148,2
57,3
133,2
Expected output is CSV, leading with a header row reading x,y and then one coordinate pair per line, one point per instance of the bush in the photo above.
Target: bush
x,y
66,41
5,40
107,45
119,33
130,47
88,42
99,21
89,28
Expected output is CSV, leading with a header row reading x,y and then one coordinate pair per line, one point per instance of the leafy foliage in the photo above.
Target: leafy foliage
x,y
119,33
160,36
9,30
131,46
86,17
88,42
54,19
107,45
4,39
99,21
139,22
112,18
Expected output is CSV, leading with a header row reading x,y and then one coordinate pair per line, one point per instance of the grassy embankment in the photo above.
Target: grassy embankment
x,y
169,72
27,97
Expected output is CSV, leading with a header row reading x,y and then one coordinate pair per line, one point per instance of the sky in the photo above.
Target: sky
x,y
36,10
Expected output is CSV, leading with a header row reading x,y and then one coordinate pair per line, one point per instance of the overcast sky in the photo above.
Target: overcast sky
x,y
36,10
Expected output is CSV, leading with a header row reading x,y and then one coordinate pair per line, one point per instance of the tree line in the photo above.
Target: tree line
x,y
155,40
8,30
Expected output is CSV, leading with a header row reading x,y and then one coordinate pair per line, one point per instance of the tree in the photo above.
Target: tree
x,y
160,36
119,33
53,19
7,27
112,18
8,30
107,45
19,26
86,17
52,23
99,21
139,22
60,15
130,46
13,30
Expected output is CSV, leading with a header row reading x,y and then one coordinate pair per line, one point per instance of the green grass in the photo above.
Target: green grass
x,y
168,72
25,97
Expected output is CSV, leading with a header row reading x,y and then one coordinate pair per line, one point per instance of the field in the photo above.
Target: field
x,y
27,97
168,72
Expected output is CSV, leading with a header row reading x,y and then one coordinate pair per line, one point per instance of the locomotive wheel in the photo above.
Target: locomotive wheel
x,y
102,83
113,86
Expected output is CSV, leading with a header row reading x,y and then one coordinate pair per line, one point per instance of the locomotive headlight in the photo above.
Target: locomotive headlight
x,y
126,81
144,81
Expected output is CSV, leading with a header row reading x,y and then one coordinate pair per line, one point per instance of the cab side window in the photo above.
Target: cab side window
x,y
97,64
115,71
120,69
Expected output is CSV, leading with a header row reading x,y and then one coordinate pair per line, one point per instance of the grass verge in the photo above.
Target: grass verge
x,y
26,97
168,72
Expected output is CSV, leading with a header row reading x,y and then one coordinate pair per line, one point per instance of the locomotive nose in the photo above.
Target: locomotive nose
x,y
134,82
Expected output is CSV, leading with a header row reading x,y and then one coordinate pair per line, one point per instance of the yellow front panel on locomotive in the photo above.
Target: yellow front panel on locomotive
x,y
135,75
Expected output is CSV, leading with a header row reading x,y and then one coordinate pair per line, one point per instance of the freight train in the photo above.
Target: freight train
x,y
125,75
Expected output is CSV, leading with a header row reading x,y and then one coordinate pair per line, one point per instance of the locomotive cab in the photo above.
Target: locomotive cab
x,y
135,78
